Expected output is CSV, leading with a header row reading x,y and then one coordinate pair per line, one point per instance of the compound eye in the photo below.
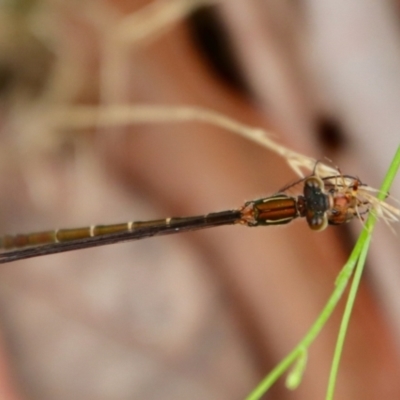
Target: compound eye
x,y
313,186
314,182
317,221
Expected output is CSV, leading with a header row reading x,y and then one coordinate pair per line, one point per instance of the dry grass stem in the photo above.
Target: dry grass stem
x,y
83,117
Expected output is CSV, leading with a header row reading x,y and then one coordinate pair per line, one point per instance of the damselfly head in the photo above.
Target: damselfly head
x,y
316,203
350,198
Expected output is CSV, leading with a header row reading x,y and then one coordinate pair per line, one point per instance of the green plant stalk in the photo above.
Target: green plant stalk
x,y
367,233
280,369
341,284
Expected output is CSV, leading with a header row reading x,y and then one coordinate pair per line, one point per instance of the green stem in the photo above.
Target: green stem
x,y
359,253
357,277
280,369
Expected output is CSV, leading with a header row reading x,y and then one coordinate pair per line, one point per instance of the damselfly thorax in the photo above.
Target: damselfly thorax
x,y
323,202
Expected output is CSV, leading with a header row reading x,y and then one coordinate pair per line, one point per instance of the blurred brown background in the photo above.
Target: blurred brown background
x,y
202,315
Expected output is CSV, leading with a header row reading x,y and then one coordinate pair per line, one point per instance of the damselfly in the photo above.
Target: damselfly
x,y
329,200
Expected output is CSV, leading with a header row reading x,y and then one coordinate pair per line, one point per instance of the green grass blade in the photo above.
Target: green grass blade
x,y
357,257
364,241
